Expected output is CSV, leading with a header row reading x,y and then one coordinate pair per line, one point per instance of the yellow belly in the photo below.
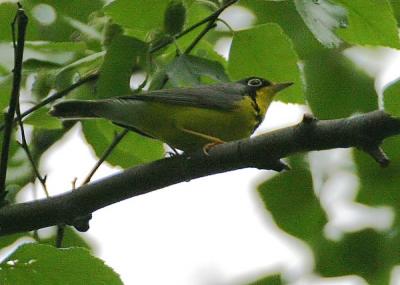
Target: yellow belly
x,y
165,122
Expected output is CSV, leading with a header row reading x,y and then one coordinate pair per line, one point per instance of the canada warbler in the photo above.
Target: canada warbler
x,y
185,118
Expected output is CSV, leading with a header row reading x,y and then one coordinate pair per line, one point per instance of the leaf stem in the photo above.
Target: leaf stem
x,y
24,144
104,156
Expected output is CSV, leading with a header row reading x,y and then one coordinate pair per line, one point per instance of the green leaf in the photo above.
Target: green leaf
x,y
269,280
33,64
285,14
367,253
175,17
187,70
322,18
58,29
39,264
380,186
392,98
43,84
250,56
371,22
137,15
10,239
55,47
134,149
82,67
291,200
41,119
336,88
5,92
396,9
124,55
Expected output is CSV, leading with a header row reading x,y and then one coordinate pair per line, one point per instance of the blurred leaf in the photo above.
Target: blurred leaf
x,y
111,30
174,17
392,98
43,264
71,239
336,88
291,200
43,84
194,14
33,64
371,22
137,15
380,186
269,280
41,119
7,13
278,62
40,10
82,67
134,149
124,54
12,191
89,31
367,253
187,70
5,92
322,17
10,239
285,14
206,50
396,9
51,47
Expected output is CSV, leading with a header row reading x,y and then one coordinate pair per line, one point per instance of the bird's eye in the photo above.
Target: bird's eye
x,y
254,82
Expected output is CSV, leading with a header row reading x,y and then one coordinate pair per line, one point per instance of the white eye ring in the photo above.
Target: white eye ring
x,y
254,82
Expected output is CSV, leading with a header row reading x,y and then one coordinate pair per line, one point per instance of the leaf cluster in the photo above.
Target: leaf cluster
x,y
128,45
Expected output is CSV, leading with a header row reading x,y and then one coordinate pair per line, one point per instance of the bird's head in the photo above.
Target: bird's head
x,y
257,86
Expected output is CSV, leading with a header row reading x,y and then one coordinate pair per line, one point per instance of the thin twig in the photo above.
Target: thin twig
x,y
209,26
22,21
24,144
198,24
108,151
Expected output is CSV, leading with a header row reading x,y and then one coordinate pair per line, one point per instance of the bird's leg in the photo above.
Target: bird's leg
x,y
213,141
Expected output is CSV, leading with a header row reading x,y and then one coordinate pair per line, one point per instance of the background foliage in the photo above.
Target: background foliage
x,y
302,41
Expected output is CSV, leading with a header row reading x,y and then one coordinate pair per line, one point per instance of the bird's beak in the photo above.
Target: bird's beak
x,y
280,86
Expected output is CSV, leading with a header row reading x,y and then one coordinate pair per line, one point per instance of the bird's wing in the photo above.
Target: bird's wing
x,y
220,96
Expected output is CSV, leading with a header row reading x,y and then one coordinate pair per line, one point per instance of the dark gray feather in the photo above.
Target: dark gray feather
x,y
220,96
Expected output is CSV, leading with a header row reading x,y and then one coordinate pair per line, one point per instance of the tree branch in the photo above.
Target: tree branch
x,y
21,21
263,152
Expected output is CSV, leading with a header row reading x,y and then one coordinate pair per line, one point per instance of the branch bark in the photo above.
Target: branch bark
x,y
365,131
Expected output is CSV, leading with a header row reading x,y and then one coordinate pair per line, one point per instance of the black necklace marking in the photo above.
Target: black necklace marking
x,y
258,116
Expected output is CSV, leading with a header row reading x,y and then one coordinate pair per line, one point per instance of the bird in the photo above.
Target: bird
x,y
188,118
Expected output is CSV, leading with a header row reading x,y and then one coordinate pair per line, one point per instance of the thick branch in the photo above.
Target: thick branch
x,y
264,151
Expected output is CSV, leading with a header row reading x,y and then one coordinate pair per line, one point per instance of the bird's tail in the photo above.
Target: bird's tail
x,y
75,109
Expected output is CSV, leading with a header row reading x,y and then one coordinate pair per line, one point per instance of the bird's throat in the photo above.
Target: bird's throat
x,y
263,100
